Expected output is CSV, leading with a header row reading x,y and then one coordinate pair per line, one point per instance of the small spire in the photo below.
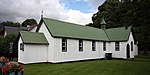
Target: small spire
x,y
103,23
42,14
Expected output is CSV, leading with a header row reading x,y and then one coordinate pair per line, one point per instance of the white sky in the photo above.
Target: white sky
x,y
19,10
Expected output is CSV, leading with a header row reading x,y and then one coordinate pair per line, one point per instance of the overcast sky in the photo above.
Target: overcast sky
x,y
74,11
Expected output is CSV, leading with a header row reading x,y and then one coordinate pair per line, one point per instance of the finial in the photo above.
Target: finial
x,y
42,14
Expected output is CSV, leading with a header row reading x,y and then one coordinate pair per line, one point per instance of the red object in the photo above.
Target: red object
x,y
4,69
3,59
12,67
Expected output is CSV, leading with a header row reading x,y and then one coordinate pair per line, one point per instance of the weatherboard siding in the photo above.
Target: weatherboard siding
x,y
102,52
55,53
110,48
50,39
32,53
52,51
73,53
122,50
20,52
129,42
35,53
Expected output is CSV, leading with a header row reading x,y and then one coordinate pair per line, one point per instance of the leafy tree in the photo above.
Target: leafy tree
x,y
1,32
29,22
141,23
4,44
17,24
11,38
135,14
10,23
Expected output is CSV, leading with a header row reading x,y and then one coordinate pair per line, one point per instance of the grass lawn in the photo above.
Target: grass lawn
x,y
138,66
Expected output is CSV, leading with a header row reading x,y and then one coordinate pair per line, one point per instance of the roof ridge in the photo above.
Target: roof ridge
x,y
106,34
33,37
31,32
72,23
10,27
76,31
115,27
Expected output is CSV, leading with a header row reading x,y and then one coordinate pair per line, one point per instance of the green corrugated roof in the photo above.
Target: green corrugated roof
x,y
33,38
118,34
70,30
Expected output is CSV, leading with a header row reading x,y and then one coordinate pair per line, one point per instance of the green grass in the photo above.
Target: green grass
x,y
138,66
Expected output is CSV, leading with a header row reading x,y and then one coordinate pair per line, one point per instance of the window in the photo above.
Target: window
x,y
104,46
131,46
117,46
64,45
93,46
80,45
21,46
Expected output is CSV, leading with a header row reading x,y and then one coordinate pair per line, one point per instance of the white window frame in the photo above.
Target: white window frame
x,y
93,45
117,46
80,45
64,45
22,46
104,46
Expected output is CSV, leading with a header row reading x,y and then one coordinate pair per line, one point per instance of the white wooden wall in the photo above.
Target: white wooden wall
x,y
129,42
110,48
20,52
32,53
53,52
35,53
34,29
73,53
50,40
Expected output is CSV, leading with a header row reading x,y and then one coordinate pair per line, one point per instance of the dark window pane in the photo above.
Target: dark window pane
x,y
93,46
131,46
21,46
64,45
104,46
117,46
80,45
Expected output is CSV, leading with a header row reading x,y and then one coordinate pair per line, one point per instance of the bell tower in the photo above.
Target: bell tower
x,y
103,23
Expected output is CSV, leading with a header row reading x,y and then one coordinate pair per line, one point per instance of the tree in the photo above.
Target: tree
x,y
116,14
141,23
135,14
4,44
17,24
1,32
29,22
10,23
11,38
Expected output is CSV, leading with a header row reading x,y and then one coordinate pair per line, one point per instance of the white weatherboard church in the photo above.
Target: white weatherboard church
x,y
56,41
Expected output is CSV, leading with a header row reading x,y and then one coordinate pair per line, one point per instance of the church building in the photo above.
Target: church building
x,y
56,41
